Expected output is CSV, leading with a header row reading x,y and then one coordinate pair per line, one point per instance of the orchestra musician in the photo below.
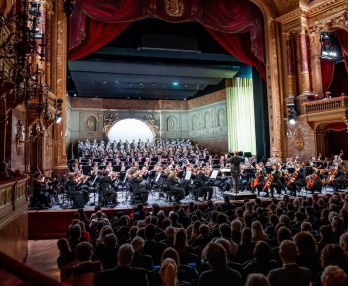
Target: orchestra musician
x,y
234,160
138,187
336,178
79,196
174,186
40,193
314,180
106,188
273,181
297,179
202,185
259,181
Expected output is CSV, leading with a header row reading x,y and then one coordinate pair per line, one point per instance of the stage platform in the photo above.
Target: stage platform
x,y
240,196
52,223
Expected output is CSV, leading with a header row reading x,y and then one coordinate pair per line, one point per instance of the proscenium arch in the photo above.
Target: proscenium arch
x,y
130,129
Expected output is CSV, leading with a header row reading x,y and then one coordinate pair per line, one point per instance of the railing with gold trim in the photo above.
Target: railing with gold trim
x,y
326,104
13,194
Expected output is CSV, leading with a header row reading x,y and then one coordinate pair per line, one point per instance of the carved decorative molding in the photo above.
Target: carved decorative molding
x,y
299,142
174,8
19,137
154,123
109,120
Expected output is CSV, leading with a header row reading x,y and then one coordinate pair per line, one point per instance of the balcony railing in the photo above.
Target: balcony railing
x,y
326,104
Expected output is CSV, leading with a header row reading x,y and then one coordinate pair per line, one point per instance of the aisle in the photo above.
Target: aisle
x,y
42,256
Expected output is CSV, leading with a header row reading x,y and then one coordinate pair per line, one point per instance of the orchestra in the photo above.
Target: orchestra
x,y
178,168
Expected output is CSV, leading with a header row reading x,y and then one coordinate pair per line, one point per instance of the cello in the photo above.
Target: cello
x,y
269,181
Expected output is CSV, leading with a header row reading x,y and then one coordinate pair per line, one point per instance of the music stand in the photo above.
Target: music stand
x,y
319,164
269,169
116,168
290,170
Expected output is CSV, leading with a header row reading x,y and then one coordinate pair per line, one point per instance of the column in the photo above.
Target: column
x,y
58,80
290,61
305,80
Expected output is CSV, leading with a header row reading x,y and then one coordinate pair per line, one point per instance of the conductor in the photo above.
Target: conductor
x,y
234,160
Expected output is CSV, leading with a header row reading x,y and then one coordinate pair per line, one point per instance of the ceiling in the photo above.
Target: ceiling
x,y
153,59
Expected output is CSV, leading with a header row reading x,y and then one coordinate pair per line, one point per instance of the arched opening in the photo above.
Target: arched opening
x,y
332,138
130,129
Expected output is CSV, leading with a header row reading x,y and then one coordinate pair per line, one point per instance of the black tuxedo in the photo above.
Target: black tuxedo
x,y
122,276
203,189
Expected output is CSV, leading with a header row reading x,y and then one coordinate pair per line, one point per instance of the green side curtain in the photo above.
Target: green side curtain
x,y
240,116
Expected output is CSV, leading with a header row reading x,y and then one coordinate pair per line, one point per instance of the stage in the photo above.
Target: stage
x,y
52,223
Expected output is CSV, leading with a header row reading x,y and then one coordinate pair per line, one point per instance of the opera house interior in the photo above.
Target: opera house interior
x,y
187,142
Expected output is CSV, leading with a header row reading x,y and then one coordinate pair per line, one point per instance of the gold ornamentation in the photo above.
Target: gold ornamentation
x,y
152,122
109,121
299,142
19,137
174,8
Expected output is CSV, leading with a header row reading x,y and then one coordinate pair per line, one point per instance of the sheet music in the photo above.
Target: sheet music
x,y
158,176
214,174
188,176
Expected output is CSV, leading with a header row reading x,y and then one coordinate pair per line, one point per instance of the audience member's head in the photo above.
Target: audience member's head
x,y
257,232
333,276
150,232
344,241
138,244
169,272
262,252
256,279
332,254
305,244
83,251
215,254
125,255
288,252
170,252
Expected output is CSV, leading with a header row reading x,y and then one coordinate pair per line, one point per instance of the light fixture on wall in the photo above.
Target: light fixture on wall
x,y
292,114
58,118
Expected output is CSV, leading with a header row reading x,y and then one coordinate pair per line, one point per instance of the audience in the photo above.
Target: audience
x,y
199,246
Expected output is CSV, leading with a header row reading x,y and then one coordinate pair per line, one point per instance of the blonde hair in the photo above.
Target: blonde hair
x,y
257,232
168,272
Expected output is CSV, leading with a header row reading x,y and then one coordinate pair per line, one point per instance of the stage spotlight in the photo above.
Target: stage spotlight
x,y
292,114
58,118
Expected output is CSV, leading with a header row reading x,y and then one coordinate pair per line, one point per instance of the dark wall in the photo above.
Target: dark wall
x,y
261,117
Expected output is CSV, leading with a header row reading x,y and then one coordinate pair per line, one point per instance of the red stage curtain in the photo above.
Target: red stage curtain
x,y
239,45
228,17
98,35
338,126
327,72
236,16
342,36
